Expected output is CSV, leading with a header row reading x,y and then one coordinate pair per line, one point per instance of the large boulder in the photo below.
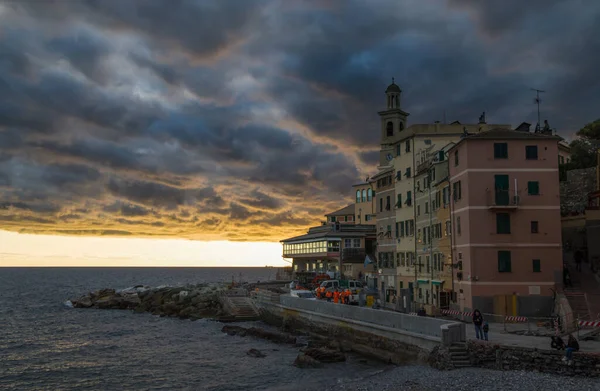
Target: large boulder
x,y
255,353
304,361
325,355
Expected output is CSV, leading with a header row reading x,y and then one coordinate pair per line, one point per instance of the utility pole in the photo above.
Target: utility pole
x,y
538,101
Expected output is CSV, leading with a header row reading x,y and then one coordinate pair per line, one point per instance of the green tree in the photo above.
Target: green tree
x,y
583,149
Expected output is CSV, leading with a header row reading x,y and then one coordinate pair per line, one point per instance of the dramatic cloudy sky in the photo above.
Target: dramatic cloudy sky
x,y
247,120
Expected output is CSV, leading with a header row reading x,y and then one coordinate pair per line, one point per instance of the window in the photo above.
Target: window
x,y
418,210
346,218
399,201
389,129
364,196
402,229
458,225
456,158
457,190
448,228
389,229
398,149
531,152
407,173
369,195
426,207
397,230
534,227
561,160
369,217
408,198
350,218
536,264
407,146
533,188
502,223
347,243
432,175
381,204
419,235
500,151
412,227
399,175
332,219
504,261
357,196
388,203
356,243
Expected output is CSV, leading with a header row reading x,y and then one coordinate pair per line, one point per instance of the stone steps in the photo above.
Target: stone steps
x,y
459,356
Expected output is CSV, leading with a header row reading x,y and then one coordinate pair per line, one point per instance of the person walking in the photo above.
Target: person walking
x,y
477,322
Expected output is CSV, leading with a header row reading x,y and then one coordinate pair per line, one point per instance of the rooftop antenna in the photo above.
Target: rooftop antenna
x,y
537,101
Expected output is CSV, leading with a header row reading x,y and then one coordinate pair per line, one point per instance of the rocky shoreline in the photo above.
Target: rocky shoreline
x,y
186,302
200,302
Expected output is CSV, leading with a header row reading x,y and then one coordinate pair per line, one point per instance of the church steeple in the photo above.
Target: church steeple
x,y
393,96
393,118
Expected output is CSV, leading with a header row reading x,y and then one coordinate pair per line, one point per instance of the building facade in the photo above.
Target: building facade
x,y
365,203
336,249
506,222
346,215
433,273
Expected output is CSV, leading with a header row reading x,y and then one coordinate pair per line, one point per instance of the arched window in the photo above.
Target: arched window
x,y
389,127
401,127
364,196
369,195
357,196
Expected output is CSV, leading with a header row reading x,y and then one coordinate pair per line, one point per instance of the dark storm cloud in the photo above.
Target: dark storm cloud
x,y
225,117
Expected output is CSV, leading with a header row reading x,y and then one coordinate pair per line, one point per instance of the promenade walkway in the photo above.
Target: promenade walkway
x,y
499,336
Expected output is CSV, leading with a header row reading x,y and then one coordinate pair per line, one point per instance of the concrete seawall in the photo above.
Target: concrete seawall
x,y
385,335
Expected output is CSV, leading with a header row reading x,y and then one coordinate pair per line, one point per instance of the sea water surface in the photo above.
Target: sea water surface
x,y
45,345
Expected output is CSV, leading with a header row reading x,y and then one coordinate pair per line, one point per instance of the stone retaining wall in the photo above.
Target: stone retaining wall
x,y
500,357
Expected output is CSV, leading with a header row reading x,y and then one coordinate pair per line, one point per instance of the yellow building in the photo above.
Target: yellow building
x,y
364,204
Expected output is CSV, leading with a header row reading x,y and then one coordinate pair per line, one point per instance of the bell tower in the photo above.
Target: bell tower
x,y
393,118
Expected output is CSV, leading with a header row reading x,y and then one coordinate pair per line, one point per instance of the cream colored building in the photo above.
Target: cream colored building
x,y
433,246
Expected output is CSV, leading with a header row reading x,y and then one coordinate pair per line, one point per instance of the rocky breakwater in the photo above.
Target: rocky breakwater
x,y
186,302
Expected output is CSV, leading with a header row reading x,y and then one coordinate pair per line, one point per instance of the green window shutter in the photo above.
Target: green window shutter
x,y
531,152
533,188
502,223
537,267
500,150
504,261
399,202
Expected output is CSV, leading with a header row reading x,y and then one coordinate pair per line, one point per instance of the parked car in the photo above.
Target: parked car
x,y
303,294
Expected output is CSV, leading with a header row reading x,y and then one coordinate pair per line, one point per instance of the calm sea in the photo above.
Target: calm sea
x,y
45,345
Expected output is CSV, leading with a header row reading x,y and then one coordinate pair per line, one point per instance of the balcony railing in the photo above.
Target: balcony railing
x,y
502,199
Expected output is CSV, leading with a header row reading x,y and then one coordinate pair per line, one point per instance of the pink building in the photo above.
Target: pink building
x,y
506,219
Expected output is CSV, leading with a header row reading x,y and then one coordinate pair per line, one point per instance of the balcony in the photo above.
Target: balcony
x,y
502,199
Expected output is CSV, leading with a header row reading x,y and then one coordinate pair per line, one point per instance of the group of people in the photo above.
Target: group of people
x,y
482,327
341,296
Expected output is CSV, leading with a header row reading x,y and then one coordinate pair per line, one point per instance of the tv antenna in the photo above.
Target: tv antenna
x,y
537,101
